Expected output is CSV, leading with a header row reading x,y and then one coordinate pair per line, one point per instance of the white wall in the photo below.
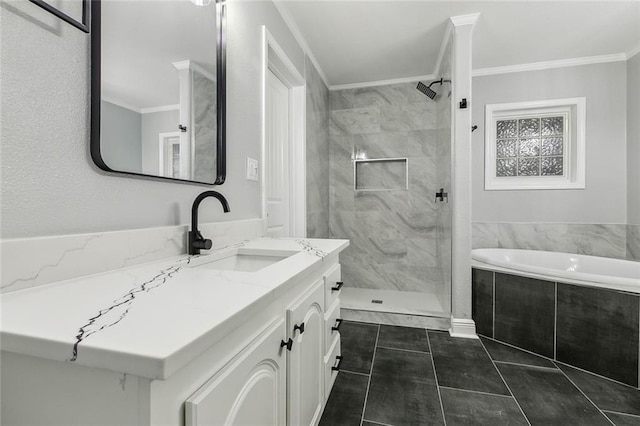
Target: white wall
x,y
49,183
604,199
633,140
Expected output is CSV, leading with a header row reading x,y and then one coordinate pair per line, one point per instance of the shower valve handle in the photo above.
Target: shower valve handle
x,y
440,196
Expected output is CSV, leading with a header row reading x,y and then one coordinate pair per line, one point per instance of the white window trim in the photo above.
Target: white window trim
x,y
574,152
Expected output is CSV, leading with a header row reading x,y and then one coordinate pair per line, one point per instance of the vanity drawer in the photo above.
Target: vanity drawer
x,y
332,285
332,366
331,322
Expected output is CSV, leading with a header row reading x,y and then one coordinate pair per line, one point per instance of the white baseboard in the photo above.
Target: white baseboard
x,y
465,328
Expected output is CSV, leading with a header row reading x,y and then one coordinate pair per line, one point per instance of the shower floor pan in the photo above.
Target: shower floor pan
x,y
388,301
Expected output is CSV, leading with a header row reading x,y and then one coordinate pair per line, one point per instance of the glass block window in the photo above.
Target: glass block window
x,y
535,145
530,146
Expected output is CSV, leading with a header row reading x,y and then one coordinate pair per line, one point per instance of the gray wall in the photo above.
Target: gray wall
x,y
393,233
154,123
121,138
633,140
317,154
49,183
605,198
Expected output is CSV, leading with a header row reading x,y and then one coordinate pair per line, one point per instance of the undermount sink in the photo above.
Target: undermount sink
x,y
245,260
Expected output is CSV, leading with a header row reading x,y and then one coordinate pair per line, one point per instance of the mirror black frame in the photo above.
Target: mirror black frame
x,y
221,90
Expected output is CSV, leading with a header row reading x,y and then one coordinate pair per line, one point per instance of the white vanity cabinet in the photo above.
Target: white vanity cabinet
x,y
273,363
250,390
305,325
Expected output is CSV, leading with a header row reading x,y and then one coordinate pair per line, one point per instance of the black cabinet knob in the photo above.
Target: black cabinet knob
x,y
288,344
338,286
337,326
337,366
298,327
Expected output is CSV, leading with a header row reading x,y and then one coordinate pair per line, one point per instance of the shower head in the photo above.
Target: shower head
x,y
427,90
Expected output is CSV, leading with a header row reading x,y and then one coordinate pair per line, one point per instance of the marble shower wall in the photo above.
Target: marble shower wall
x,y
608,240
204,127
317,153
393,233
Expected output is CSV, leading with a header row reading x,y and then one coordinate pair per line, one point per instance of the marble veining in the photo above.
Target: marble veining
x,y
607,240
32,262
112,315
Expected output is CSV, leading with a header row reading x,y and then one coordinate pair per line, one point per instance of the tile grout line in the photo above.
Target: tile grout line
x,y
555,323
519,348
505,383
493,315
585,395
354,372
624,414
593,374
435,375
373,358
474,391
403,350
525,365
377,423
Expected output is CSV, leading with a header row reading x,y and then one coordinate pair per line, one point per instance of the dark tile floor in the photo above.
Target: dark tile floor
x,y
411,376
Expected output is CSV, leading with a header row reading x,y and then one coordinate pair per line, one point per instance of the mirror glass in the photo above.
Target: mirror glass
x,y
160,79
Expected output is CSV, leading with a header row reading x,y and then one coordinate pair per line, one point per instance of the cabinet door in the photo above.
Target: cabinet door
x,y
250,390
305,323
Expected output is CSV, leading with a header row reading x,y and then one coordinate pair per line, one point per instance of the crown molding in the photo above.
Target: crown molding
x,y
413,79
462,20
537,66
293,27
120,104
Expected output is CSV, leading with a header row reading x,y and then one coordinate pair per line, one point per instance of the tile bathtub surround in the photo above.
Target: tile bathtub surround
x,y
525,313
317,134
595,329
393,234
607,240
36,261
407,388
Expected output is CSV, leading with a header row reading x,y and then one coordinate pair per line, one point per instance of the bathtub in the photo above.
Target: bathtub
x,y
579,269
566,307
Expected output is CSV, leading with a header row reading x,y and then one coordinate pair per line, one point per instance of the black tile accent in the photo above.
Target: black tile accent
x,y
505,353
464,364
470,408
482,301
606,394
525,313
547,397
414,339
346,401
598,331
623,419
358,341
403,389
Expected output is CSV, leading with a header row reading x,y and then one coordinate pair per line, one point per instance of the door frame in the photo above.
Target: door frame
x,y
276,60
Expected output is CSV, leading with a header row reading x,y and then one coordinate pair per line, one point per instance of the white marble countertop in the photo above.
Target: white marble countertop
x,y
152,319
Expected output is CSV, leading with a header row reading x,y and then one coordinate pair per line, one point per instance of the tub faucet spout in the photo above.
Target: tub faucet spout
x,y
196,241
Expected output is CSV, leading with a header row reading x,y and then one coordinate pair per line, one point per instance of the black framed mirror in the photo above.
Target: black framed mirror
x,y
158,86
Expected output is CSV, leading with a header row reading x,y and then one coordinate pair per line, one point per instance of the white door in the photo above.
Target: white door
x,y
305,377
251,390
277,162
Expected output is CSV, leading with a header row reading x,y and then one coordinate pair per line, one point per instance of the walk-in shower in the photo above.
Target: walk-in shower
x,y
390,154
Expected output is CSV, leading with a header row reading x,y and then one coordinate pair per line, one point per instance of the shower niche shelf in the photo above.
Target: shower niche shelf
x,y
381,174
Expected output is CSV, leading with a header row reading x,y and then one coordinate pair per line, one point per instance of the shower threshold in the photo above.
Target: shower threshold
x,y
395,302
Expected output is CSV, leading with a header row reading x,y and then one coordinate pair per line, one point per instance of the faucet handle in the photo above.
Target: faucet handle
x,y
202,244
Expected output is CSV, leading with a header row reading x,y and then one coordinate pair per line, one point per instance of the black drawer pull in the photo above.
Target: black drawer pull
x,y
288,344
298,327
338,286
337,326
337,366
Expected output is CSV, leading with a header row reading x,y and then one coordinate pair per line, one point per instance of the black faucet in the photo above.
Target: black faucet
x,y
196,241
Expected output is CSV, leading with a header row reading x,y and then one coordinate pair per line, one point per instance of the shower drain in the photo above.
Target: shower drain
x,y
378,301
